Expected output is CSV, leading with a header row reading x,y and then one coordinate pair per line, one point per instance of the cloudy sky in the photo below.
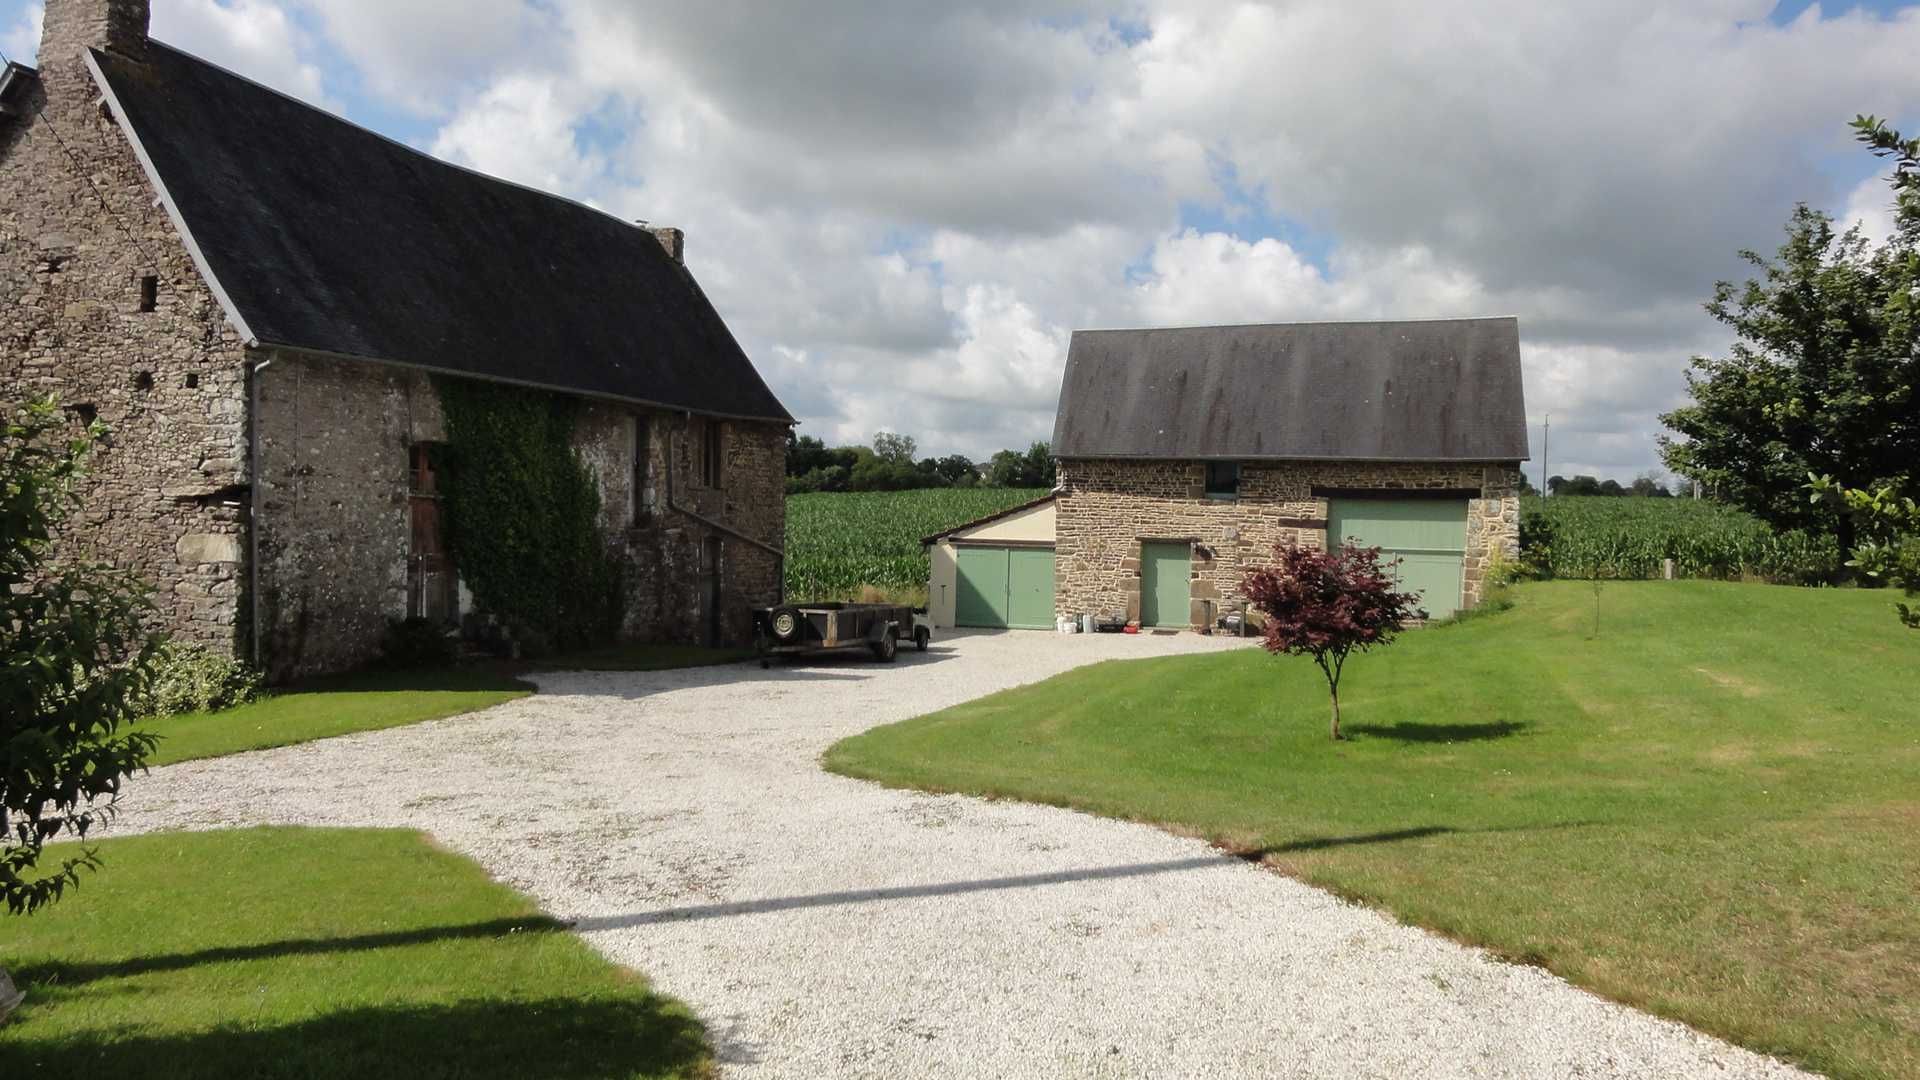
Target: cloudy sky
x,y
903,207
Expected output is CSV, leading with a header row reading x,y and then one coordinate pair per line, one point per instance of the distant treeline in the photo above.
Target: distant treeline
x,y
889,465
1645,486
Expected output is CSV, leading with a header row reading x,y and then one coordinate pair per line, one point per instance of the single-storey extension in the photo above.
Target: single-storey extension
x,y
1185,455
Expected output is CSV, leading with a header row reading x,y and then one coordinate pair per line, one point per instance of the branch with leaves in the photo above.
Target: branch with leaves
x,y
75,659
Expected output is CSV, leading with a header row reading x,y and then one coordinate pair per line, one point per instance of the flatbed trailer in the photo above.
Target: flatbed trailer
x,y
798,629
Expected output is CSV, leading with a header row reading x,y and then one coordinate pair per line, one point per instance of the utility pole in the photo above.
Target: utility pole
x,y
1546,436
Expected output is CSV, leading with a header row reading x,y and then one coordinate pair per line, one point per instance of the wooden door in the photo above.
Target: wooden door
x,y
432,584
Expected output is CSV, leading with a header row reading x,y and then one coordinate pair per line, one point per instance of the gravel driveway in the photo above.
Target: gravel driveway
x,y
827,927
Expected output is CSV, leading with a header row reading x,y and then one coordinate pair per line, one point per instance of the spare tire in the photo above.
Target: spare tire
x,y
786,623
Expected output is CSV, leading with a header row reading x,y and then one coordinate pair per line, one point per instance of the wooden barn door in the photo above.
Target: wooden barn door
x,y
432,586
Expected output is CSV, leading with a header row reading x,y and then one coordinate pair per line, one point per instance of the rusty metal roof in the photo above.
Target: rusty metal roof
x,y
1433,390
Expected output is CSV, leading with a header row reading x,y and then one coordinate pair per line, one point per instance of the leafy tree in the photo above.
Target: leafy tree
x,y
1889,527
1011,468
1526,485
76,663
1326,604
954,470
1822,376
806,454
893,449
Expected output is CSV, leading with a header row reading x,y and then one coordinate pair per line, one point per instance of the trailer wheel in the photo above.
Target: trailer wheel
x,y
920,638
887,647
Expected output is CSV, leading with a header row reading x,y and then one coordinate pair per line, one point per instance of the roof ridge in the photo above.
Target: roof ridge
x,y
337,118
1300,322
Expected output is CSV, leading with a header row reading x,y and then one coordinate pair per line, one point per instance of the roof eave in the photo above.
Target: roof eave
x,y
430,369
1415,458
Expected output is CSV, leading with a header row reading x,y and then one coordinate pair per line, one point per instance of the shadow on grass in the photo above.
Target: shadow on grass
x,y
460,677
535,1037
64,974
1406,731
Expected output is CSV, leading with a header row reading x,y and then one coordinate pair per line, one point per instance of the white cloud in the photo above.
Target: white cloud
x,y
423,54
22,40
253,37
902,207
1870,205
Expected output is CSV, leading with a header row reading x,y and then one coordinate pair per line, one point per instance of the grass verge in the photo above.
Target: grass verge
x,y
321,952
1705,807
378,698
337,705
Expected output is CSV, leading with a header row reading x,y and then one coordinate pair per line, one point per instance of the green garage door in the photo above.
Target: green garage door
x,y
1428,536
1003,587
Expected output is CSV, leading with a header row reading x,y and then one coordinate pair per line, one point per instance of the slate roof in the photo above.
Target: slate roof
x,y
323,236
1439,390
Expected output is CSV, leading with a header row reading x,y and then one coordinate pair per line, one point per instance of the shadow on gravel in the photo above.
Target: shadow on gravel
x,y
822,667
901,892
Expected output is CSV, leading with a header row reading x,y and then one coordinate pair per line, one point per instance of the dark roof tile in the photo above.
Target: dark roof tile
x,y
1439,390
327,237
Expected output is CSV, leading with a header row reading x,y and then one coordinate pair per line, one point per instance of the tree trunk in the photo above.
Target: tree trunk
x,y
1334,692
9,997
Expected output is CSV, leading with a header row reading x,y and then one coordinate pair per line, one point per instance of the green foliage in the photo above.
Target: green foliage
x,y
523,515
1824,373
838,542
1888,550
1596,537
415,643
189,678
75,659
1013,469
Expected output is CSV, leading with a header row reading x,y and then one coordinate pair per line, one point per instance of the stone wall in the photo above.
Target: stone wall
x,y
335,523
79,236
334,439
1106,508
668,588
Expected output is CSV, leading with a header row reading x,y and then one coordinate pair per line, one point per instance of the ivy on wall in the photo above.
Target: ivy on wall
x,y
522,514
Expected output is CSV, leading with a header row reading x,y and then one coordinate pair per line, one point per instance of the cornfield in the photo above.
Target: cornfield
x,y
838,542
1608,537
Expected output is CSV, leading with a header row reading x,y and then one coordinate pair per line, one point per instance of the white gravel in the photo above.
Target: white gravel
x,y
827,927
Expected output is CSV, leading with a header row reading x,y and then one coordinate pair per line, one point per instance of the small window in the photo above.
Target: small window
x,y
712,451
193,379
149,293
143,380
1223,479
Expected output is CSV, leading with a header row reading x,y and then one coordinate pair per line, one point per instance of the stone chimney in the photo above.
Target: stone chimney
x,y
674,240
71,26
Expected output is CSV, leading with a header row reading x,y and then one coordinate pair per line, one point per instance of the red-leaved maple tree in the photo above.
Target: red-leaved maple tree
x,y
1326,604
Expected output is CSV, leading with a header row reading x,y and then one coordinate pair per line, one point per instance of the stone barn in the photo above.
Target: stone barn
x,y
1186,454
259,298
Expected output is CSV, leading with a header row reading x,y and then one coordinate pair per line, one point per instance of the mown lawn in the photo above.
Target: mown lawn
x,y
363,701
379,698
320,953
1710,808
